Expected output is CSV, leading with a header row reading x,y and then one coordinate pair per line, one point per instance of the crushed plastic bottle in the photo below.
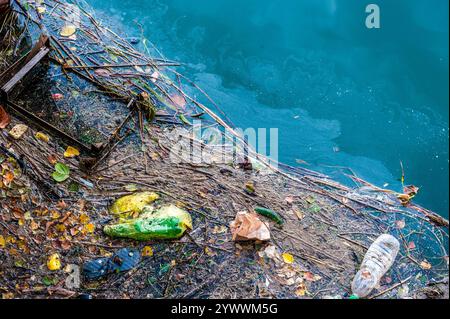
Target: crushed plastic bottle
x,y
378,260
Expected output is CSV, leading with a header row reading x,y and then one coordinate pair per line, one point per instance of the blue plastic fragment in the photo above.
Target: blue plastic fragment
x,y
123,260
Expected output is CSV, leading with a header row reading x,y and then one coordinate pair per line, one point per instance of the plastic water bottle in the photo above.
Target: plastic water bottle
x,y
378,260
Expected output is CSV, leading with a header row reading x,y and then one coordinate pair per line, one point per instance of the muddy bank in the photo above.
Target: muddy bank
x,y
327,227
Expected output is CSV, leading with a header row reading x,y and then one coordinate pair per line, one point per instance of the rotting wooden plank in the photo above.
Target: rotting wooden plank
x,y
25,70
43,42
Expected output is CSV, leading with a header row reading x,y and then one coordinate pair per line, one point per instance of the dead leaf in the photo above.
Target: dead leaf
x,y
54,262
18,131
84,218
178,100
288,258
426,265
68,30
401,224
219,230
89,228
299,214
289,199
61,292
57,97
8,178
71,152
309,276
103,72
147,251
248,226
42,137
301,290
52,159
5,119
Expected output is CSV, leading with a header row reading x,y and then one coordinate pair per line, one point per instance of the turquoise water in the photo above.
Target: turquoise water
x,y
341,95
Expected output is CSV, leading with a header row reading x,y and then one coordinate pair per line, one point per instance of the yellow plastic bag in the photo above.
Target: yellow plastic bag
x,y
133,203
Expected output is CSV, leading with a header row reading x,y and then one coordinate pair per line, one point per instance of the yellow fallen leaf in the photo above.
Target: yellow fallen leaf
x,y
71,152
209,252
301,290
60,228
84,218
68,30
34,225
7,295
55,215
41,9
147,251
90,228
288,258
54,262
299,214
2,242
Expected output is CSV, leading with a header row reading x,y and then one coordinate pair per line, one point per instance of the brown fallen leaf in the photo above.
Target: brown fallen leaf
x,y
426,265
178,100
309,276
5,119
52,159
289,199
248,226
301,290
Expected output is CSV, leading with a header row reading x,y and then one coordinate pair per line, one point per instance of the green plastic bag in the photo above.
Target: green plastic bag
x,y
169,222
